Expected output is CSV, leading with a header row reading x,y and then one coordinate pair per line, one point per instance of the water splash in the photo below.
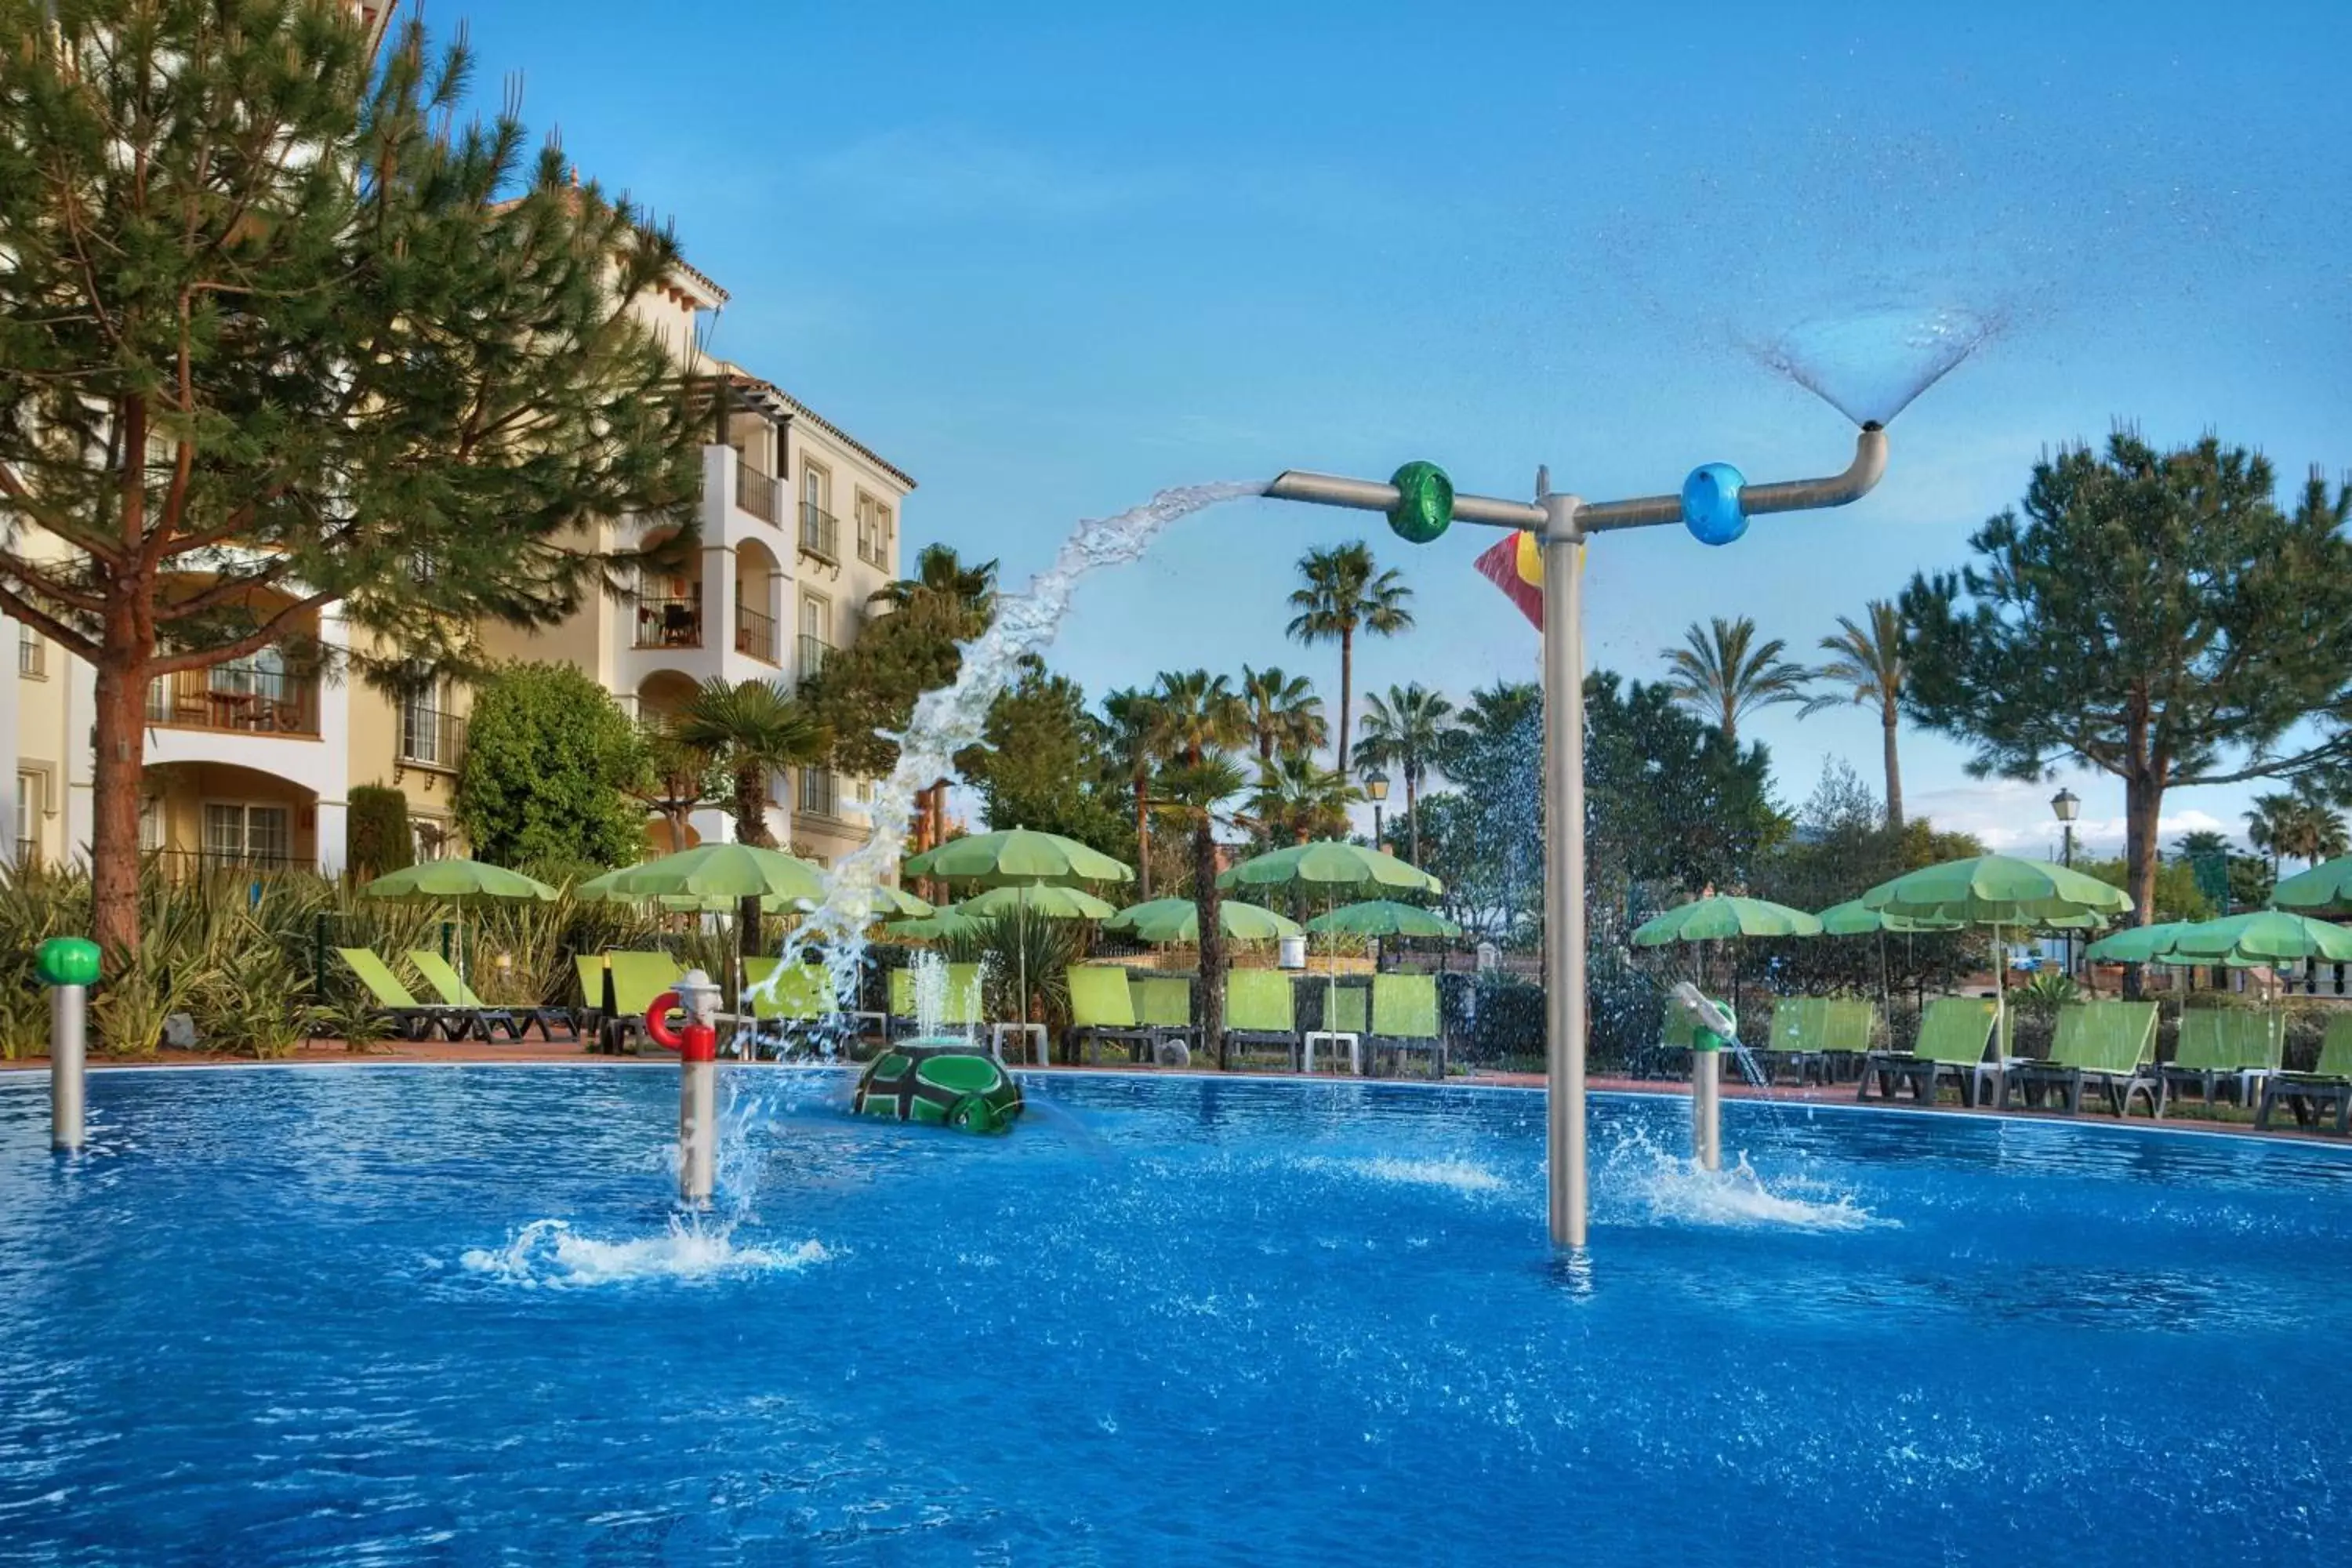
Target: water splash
x,y
951,719
1666,1187
549,1254
1869,365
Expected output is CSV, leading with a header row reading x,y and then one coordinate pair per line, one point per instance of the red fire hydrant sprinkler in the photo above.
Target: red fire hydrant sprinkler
x,y
697,1088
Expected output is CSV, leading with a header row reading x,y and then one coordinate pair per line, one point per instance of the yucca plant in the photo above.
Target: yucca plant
x,y
1014,945
251,998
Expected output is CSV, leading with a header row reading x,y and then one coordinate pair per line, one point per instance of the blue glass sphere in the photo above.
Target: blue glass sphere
x,y
1711,508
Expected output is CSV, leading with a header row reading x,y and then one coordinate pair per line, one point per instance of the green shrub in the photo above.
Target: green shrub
x,y
549,754
376,838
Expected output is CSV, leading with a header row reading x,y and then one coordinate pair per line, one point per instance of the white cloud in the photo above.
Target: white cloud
x,y
2014,818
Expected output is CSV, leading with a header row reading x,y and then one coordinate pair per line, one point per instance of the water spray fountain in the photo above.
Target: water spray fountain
x,y
698,1073
1713,1032
68,965
1716,503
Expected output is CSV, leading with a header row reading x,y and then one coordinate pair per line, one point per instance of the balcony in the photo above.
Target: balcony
x,y
755,634
756,492
236,699
820,533
667,621
430,738
813,651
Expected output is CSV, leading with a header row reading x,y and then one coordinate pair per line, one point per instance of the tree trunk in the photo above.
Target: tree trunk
x,y
2143,803
119,741
1894,775
1347,693
750,827
1205,902
1143,840
1412,815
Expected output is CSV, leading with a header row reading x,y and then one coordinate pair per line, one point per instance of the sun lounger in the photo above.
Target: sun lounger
x,y
2107,1045
778,1004
1953,1034
415,1020
636,978
1405,1018
517,1021
1347,1010
1163,1005
595,990
1262,1009
2221,1050
2307,1094
959,1008
1102,1008
1800,1030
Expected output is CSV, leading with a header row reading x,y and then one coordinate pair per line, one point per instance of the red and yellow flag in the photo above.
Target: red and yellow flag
x,y
1516,567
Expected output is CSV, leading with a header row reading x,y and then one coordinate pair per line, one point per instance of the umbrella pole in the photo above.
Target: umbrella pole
x,y
2000,995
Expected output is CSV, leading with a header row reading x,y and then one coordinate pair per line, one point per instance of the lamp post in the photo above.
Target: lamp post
x,y
2066,805
1376,790
1715,503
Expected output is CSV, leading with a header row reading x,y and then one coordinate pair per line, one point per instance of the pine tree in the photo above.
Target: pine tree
x,y
280,330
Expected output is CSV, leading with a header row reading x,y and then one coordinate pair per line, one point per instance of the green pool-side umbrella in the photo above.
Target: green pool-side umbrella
x,y
2134,944
1046,900
946,920
1018,854
2263,937
712,871
1383,917
1331,866
890,901
1178,919
457,880
1852,919
2326,888
1719,917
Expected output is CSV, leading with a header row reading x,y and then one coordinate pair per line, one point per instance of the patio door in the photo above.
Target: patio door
x,y
238,833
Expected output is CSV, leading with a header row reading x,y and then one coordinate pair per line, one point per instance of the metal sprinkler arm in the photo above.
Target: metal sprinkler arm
x,y
1369,495
1789,495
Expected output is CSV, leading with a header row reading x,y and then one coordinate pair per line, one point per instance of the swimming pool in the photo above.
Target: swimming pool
x,y
438,1314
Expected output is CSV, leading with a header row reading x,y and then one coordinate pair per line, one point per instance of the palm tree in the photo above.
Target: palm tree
x,y
1868,666
2199,842
959,602
1408,733
1198,713
2269,825
1284,714
2301,826
1192,796
754,731
1722,673
1297,799
1346,593
1132,729
678,779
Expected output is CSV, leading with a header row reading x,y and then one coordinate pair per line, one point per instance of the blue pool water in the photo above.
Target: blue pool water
x,y
440,1315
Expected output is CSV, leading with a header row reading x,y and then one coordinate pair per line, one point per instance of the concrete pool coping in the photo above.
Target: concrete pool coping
x,y
332,1054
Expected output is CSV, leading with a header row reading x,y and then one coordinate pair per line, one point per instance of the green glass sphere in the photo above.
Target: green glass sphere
x,y
1425,502
66,960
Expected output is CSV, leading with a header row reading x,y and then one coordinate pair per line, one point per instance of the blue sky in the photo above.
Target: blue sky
x,y
1051,259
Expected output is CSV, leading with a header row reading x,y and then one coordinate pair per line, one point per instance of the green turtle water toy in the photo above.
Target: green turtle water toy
x,y
940,1083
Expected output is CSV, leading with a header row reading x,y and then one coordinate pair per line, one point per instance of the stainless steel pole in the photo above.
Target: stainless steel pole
x,y
67,1048
1564,965
1706,1108
697,1129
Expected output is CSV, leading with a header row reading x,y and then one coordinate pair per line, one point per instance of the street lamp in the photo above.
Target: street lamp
x,y
1376,790
2066,804
1715,504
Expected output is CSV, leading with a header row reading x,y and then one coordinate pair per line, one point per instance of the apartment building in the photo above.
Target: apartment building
x,y
252,761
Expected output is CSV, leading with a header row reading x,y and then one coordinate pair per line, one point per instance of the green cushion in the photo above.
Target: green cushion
x,y
2105,1036
377,977
590,968
2201,1045
800,993
1848,1024
1261,1001
1100,997
2336,1048
902,992
1163,1001
1405,1006
638,978
1954,1029
445,979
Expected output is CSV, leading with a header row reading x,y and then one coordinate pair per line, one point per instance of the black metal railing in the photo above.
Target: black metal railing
x,y
430,738
873,548
813,652
667,621
816,793
184,864
755,634
755,492
820,533
237,700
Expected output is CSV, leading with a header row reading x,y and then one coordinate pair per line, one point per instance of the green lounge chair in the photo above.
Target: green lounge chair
x,y
1163,1005
2329,1082
800,997
1850,1030
595,990
517,1021
960,1008
415,1020
2111,1045
2219,1047
1953,1034
637,979
1800,1030
1347,1010
1262,1009
1102,1008
1405,1018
